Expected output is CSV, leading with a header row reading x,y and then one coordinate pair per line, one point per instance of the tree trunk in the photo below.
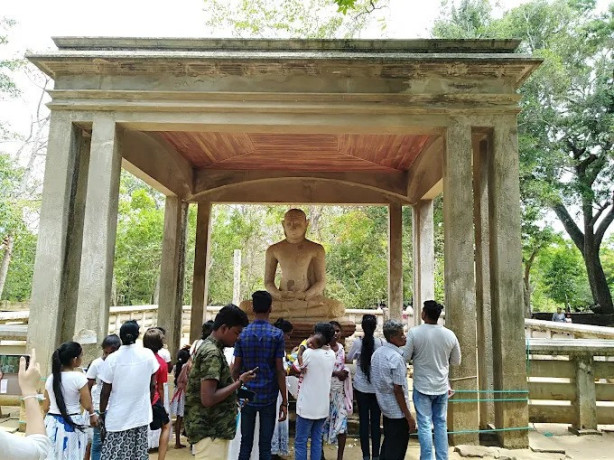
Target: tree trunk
x,y
6,260
596,276
526,292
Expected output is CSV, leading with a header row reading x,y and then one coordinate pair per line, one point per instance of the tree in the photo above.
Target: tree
x,y
566,126
290,18
564,278
139,243
535,238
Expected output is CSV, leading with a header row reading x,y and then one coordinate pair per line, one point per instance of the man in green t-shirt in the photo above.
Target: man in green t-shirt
x,y
211,393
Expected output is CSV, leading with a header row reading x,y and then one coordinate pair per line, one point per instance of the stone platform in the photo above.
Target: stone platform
x,y
304,327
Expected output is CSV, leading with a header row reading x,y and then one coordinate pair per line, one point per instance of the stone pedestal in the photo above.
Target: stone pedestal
x,y
304,316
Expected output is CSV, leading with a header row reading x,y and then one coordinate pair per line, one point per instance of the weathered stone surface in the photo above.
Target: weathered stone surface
x,y
460,275
476,451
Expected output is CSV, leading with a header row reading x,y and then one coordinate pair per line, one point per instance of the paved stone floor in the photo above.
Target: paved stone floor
x,y
545,436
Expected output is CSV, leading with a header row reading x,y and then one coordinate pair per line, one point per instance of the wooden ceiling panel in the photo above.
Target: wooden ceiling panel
x,y
300,152
291,161
297,142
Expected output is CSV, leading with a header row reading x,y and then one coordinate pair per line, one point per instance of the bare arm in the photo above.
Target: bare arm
x,y
281,382
86,402
270,269
319,271
46,403
28,381
90,384
236,367
399,395
104,396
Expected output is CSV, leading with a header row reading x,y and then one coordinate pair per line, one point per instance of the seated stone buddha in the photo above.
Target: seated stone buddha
x,y
303,275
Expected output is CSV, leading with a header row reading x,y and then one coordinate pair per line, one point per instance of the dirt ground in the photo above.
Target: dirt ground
x,y
544,436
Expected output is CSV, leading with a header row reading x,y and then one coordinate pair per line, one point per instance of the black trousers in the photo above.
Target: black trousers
x,y
369,415
396,437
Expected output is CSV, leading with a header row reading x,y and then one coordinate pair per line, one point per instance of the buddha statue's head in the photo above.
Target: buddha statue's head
x,y
295,225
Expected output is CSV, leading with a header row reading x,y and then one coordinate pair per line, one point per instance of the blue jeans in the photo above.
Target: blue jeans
x,y
96,450
307,428
268,414
431,410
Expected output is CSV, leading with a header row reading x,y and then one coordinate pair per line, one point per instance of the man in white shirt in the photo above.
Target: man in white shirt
x,y
389,378
432,348
313,404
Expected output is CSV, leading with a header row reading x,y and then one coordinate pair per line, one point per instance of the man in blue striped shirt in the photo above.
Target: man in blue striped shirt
x,y
261,346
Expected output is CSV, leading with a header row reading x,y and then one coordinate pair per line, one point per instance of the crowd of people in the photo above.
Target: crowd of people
x,y
237,406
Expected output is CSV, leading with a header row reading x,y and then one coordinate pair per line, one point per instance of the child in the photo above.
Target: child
x,y
110,344
296,357
154,340
178,401
312,404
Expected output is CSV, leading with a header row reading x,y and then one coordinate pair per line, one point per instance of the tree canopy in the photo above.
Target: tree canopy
x,y
567,121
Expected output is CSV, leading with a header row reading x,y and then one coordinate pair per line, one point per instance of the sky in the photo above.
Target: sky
x,y
39,20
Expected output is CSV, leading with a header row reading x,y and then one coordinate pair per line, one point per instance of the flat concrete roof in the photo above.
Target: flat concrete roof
x,y
371,46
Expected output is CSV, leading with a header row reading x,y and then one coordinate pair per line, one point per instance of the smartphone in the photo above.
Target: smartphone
x,y
9,366
244,393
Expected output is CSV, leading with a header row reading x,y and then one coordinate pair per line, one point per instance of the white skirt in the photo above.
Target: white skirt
x,y
68,443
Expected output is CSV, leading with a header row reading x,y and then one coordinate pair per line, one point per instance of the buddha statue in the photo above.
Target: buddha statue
x,y
303,275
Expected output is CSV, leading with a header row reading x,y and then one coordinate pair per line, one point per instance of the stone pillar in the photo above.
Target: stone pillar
x,y
585,406
99,231
199,283
506,281
236,279
459,274
482,275
423,257
172,271
54,261
395,261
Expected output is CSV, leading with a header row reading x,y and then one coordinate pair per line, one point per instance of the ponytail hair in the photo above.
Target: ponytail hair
x,y
64,356
129,332
369,323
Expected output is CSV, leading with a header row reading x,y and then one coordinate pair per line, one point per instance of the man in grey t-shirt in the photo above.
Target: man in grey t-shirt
x,y
432,348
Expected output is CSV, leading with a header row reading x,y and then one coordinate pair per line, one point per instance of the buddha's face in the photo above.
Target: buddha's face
x,y
295,225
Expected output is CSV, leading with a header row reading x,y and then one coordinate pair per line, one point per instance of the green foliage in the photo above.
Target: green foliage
x,y
7,85
564,277
567,119
18,285
470,19
139,242
356,246
290,18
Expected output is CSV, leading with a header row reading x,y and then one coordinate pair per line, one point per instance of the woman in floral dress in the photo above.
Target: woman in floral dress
x,y
335,428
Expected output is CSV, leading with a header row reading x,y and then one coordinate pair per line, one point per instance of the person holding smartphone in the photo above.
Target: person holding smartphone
x,y
36,445
211,392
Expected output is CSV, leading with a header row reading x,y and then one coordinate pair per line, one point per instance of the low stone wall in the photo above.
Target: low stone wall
x,y
571,381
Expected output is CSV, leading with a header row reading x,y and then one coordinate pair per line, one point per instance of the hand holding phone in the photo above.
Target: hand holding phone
x,y
29,374
248,376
